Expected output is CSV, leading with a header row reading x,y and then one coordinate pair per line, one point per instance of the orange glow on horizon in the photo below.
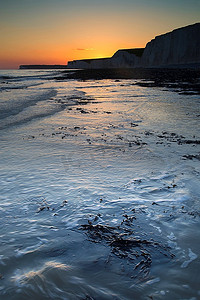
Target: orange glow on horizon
x,y
83,37
33,33
59,55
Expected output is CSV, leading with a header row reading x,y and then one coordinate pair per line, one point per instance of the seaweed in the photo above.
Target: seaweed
x,y
191,156
123,244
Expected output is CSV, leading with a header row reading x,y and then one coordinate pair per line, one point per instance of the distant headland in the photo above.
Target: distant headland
x,y
179,48
43,67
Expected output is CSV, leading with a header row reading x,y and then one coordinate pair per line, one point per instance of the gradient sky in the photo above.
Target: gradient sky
x,y
55,31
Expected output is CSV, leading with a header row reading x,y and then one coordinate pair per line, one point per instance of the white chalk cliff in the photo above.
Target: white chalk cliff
x,y
178,48
126,58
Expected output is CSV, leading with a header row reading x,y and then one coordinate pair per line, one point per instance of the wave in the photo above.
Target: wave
x,y
17,74
16,79
24,110
18,87
5,77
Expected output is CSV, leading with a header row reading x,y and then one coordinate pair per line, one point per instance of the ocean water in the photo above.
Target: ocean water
x,y
99,189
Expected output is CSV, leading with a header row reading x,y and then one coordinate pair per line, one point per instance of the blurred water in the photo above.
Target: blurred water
x,y
97,153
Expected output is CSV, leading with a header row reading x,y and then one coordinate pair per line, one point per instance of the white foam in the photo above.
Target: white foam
x,y
192,256
1,260
162,293
28,250
152,281
172,236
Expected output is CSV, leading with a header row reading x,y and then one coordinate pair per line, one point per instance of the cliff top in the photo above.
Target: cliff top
x,y
188,27
137,51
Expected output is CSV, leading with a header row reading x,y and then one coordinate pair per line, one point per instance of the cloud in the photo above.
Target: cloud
x,y
84,49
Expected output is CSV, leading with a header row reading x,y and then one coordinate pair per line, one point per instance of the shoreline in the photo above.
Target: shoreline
x,y
187,80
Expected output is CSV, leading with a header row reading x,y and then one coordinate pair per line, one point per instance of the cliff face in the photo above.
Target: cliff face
x,y
125,58
179,47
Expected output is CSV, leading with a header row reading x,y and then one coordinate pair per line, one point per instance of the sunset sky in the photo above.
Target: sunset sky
x,y
55,31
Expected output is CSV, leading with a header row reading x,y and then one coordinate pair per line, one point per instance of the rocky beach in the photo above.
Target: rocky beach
x,y
100,184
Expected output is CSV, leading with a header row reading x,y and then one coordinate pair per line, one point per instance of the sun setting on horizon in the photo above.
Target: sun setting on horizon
x,y
55,32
